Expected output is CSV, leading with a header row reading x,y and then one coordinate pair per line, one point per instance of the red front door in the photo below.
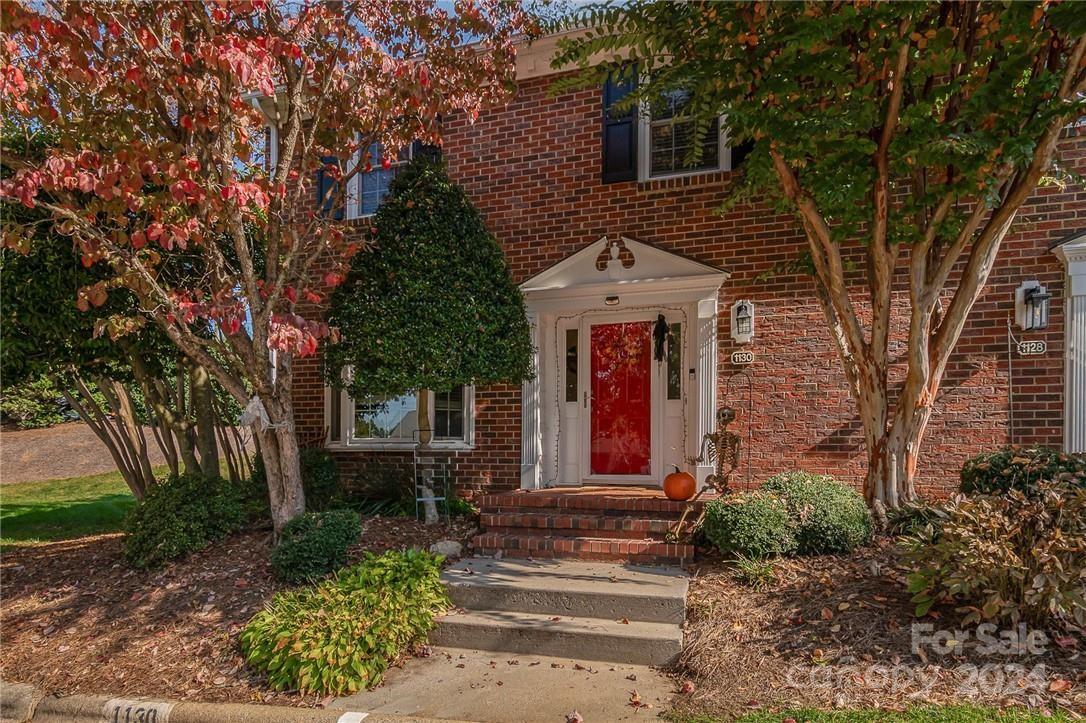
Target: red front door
x,y
621,425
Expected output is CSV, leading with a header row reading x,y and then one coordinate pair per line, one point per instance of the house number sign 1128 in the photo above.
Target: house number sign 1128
x,y
742,357
1032,348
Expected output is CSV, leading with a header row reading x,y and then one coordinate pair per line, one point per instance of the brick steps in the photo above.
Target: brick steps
x,y
578,524
583,523
530,544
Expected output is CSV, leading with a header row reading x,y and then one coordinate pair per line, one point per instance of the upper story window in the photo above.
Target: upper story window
x,y
367,189
654,140
373,186
671,139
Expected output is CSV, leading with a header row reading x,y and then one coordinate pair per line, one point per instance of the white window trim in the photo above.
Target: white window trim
x,y
349,441
644,140
354,200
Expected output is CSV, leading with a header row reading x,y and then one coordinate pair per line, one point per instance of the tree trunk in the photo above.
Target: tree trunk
x,y
203,398
426,435
280,454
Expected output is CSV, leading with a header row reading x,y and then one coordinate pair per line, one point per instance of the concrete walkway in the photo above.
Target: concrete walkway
x,y
493,687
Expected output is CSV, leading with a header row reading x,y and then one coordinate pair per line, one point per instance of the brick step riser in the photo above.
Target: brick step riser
x,y
585,548
578,646
610,514
635,559
570,604
608,534
585,524
632,507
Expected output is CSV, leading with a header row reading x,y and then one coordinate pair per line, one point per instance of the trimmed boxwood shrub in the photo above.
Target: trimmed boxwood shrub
x,y
179,515
1021,468
315,544
751,524
828,516
340,635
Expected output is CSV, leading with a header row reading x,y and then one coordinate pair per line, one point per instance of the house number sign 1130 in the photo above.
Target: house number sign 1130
x,y
742,357
1032,348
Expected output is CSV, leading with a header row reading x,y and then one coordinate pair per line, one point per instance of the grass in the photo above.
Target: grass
x,y
926,714
63,509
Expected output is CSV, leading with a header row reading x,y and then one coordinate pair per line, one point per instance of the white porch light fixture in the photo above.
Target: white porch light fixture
x,y
742,321
1031,306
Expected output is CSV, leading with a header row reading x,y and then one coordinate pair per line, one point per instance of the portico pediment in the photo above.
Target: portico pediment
x,y
640,264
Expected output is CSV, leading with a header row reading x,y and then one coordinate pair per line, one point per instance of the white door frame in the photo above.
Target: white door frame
x,y
553,442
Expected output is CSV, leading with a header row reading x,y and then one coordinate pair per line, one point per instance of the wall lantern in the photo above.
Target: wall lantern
x,y
742,321
1031,306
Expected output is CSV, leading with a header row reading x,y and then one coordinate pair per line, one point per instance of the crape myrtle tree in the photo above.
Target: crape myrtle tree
x,y
431,305
908,132
161,110
134,391
59,322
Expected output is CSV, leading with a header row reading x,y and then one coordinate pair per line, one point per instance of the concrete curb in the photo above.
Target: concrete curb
x,y
21,703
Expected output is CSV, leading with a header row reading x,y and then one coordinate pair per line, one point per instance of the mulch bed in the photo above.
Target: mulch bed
x,y
75,618
838,632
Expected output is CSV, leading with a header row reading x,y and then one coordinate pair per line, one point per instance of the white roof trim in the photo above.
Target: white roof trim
x,y
652,266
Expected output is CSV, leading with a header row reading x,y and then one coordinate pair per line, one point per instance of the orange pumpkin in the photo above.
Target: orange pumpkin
x,y
680,486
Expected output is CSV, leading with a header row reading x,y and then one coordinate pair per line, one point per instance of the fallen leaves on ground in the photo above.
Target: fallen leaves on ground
x,y
813,638
77,619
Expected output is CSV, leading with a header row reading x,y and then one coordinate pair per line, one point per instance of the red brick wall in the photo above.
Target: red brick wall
x,y
533,168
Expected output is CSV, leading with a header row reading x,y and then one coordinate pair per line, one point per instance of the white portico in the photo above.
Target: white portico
x,y
626,366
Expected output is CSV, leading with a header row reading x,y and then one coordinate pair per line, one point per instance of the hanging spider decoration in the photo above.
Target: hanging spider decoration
x,y
722,448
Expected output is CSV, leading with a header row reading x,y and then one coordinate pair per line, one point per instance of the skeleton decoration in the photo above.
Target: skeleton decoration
x,y
722,448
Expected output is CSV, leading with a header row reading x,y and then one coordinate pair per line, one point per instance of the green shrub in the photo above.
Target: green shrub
x,y
757,574
1008,556
34,404
829,517
320,481
383,489
1020,468
179,515
315,544
340,635
753,524
915,518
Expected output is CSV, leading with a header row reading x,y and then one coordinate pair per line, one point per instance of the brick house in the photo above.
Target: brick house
x,y
619,248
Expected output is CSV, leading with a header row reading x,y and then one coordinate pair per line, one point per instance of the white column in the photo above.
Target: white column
x,y
706,382
530,432
1073,255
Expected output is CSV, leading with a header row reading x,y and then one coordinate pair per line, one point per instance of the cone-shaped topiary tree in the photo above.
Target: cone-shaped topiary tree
x,y
431,305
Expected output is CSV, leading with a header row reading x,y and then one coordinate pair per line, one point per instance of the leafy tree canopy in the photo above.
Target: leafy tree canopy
x,y
431,305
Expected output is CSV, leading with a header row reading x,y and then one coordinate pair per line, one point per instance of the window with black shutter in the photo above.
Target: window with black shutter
x,y
327,194
619,129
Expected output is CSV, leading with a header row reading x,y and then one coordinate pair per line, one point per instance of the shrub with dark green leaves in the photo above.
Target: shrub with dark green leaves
x,y
1021,468
179,515
339,636
828,516
915,518
320,481
1010,556
314,544
752,524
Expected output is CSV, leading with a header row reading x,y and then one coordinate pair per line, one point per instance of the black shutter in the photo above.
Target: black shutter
x,y
619,129
740,153
420,149
325,184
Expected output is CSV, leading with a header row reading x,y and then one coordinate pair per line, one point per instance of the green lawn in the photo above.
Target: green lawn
x,y
932,714
64,508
